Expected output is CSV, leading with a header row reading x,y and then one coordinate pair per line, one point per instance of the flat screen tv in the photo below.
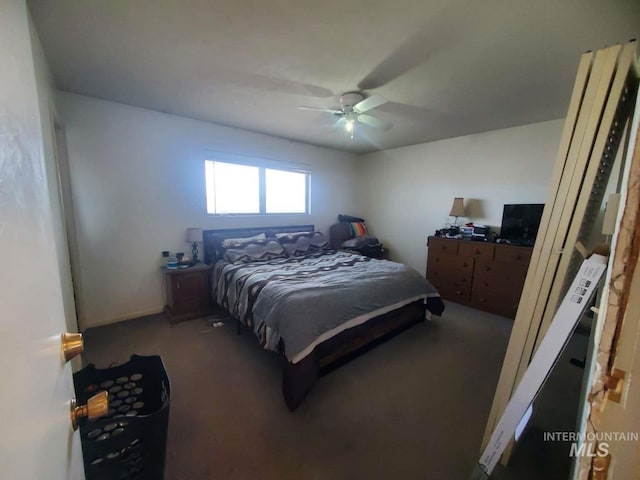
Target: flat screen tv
x,y
520,223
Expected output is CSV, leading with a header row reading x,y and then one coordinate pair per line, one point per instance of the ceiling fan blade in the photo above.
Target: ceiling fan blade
x,y
374,122
368,103
328,110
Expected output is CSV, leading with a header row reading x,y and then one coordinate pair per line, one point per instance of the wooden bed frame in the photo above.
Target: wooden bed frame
x,y
298,379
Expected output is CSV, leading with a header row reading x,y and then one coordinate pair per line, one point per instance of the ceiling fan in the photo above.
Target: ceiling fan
x,y
351,111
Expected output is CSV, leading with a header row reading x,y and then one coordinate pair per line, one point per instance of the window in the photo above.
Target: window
x,y
237,189
232,188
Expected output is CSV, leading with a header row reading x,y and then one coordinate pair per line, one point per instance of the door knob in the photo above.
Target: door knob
x,y
72,345
96,407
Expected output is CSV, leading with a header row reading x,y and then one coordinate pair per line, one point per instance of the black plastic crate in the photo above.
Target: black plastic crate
x,y
130,441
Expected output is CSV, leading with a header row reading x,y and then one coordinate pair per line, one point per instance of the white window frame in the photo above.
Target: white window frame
x,y
262,164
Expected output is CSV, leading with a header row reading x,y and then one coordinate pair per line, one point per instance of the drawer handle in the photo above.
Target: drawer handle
x,y
483,300
458,292
178,284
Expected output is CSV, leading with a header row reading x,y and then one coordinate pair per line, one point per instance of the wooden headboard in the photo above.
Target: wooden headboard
x,y
212,239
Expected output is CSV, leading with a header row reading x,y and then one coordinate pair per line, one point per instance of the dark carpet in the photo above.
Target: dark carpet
x,y
414,407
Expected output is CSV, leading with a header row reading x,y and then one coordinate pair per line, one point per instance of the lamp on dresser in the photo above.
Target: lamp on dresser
x,y
457,209
194,236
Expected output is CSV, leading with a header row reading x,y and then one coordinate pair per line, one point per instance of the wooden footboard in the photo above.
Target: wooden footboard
x,y
352,341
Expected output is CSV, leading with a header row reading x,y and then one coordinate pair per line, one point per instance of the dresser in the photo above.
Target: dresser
x,y
486,276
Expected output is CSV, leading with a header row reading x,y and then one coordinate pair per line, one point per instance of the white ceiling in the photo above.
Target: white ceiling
x,y
448,68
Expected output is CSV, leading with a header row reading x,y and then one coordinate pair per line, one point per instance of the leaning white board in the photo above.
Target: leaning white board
x,y
569,313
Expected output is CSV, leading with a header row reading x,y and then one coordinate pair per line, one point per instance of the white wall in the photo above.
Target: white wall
x,y
46,99
138,182
405,194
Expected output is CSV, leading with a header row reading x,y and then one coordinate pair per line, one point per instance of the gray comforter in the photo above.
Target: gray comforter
x,y
307,300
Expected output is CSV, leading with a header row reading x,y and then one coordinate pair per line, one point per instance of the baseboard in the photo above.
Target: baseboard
x,y
123,318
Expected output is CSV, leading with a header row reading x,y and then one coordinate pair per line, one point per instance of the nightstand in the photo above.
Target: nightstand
x,y
187,292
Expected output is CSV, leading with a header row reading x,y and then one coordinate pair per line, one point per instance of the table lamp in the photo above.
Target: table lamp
x,y
194,236
457,209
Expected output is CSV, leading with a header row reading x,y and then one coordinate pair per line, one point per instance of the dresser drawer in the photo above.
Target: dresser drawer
x,y
499,277
497,303
452,262
450,267
458,294
511,288
476,250
513,254
442,245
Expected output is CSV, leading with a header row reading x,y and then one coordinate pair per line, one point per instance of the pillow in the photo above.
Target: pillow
x,y
295,244
358,229
259,250
319,241
300,243
229,241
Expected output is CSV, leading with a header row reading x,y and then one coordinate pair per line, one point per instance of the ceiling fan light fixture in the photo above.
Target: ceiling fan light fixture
x,y
349,126
351,111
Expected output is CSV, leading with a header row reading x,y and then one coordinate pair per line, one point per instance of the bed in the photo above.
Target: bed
x,y
316,307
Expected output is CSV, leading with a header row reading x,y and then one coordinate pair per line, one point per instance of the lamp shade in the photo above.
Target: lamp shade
x,y
194,235
457,209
